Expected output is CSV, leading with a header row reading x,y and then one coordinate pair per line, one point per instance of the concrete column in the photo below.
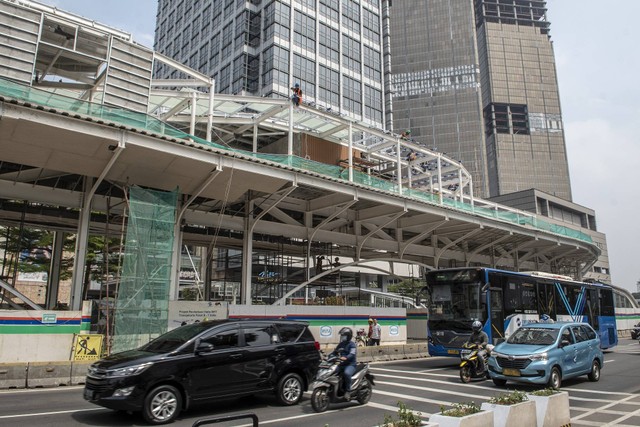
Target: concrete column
x,y
247,252
53,284
82,237
176,257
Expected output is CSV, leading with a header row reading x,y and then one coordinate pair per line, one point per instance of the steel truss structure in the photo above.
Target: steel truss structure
x,y
234,160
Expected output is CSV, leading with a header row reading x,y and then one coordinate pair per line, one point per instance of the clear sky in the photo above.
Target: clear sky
x,y
597,59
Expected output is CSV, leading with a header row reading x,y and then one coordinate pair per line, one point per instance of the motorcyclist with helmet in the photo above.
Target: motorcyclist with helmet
x,y
346,352
479,337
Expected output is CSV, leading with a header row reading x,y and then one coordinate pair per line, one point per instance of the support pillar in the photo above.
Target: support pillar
x,y
247,252
174,286
82,237
53,284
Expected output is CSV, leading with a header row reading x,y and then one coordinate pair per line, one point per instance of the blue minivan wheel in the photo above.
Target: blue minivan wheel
x,y
594,375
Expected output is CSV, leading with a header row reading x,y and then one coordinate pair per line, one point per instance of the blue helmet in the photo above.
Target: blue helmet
x,y
544,317
296,85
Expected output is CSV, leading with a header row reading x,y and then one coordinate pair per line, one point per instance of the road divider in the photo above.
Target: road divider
x,y
13,375
53,374
48,374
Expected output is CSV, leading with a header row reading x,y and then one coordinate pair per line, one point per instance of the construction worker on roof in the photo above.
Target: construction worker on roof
x,y
296,97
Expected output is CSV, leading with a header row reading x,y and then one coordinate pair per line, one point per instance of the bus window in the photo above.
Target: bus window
x,y
606,302
546,299
592,310
519,296
529,300
563,295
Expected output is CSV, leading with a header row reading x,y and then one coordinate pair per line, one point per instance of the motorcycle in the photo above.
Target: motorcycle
x,y
472,366
327,385
361,338
635,332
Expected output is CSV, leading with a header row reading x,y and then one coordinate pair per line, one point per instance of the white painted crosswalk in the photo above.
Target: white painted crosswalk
x,y
428,390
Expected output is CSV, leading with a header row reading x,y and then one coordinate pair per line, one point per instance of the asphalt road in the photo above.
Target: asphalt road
x,y
423,385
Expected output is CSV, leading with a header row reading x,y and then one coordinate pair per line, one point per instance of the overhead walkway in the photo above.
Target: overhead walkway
x,y
91,123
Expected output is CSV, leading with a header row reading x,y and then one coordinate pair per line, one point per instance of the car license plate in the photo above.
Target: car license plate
x,y
511,372
453,352
88,394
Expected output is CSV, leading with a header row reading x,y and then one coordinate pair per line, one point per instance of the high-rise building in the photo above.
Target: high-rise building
x,y
335,49
477,80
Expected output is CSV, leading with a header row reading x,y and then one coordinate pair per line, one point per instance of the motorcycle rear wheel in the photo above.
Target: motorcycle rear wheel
x,y
465,374
320,399
364,392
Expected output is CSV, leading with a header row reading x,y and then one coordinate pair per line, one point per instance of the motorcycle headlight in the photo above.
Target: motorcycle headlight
x,y
539,356
128,371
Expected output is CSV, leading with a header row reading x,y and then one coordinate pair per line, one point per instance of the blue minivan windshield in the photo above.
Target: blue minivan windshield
x,y
533,336
172,340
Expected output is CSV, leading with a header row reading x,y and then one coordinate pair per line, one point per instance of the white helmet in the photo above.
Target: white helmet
x,y
476,326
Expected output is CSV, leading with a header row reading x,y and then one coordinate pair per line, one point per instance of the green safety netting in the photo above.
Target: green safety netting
x,y
141,311
150,124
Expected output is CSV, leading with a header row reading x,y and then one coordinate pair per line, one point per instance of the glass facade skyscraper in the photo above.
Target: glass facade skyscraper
x,y
488,94
335,49
436,80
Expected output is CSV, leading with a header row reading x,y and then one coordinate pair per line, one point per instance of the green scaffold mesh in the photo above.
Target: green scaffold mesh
x,y
141,312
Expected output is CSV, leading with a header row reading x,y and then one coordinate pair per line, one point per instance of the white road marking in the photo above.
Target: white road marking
x,y
601,408
39,390
71,411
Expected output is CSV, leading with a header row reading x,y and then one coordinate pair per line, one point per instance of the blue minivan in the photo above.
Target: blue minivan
x,y
547,353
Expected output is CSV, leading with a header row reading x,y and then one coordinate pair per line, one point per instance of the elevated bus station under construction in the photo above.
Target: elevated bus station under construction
x,y
229,197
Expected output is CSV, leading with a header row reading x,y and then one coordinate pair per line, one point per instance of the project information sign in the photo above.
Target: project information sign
x,y
184,312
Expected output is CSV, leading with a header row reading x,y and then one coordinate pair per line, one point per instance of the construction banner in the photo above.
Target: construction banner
x,y
87,347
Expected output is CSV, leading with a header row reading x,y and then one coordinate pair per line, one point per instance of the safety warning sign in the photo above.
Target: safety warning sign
x,y
87,347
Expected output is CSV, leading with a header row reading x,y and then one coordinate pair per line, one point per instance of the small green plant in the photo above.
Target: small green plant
x,y
460,409
509,398
406,418
545,392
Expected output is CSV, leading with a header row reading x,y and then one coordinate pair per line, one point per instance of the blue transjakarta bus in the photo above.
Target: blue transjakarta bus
x,y
504,300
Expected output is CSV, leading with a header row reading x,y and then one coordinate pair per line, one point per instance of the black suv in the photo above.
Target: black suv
x,y
206,360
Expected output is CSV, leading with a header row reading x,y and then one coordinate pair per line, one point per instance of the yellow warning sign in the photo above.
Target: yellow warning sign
x,y
87,347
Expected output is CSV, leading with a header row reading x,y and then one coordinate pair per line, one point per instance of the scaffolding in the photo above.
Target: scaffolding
x,y
142,308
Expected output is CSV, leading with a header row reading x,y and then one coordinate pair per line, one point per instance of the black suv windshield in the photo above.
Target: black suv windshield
x,y
533,336
172,340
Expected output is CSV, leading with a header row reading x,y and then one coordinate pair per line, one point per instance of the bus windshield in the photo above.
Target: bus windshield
x,y
456,302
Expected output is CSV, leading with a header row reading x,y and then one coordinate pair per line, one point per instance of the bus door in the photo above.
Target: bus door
x,y
592,310
497,314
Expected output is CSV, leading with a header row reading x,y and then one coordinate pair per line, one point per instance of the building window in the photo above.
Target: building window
x,y
328,83
304,72
329,43
352,95
351,15
506,119
330,9
372,104
304,32
351,53
370,26
372,64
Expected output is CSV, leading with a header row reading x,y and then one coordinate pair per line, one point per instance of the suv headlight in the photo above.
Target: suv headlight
x,y
128,371
539,356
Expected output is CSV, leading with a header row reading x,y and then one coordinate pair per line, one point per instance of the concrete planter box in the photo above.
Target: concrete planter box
x,y
479,419
521,414
552,411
